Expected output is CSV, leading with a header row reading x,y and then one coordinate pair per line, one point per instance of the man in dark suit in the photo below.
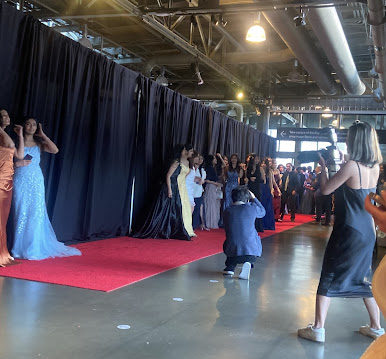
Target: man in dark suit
x,y
323,203
289,190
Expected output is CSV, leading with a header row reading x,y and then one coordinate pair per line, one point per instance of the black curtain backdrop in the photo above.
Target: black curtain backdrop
x,y
111,125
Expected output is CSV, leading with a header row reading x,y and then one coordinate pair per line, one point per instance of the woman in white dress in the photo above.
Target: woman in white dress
x,y
198,213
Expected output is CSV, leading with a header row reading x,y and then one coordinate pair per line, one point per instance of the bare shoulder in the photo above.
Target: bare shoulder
x,y
174,164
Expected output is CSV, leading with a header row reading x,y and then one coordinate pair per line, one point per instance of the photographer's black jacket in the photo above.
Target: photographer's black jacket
x,y
293,184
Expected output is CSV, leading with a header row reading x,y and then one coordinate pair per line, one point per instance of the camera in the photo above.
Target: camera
x,y
330,154
313,156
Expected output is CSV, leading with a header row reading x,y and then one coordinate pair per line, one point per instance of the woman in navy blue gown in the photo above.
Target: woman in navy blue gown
x,y
255,179
267,189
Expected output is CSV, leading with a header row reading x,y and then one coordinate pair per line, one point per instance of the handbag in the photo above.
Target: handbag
x,y
219,193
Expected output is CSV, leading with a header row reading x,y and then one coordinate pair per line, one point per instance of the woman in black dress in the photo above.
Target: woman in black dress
x,y
166,219
346,270
255,176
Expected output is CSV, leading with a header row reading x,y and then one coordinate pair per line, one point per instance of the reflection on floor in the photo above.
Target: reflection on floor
x,y
217,317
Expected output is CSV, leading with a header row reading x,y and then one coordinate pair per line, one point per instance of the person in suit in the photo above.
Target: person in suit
x,y
242,243
323,203
289,190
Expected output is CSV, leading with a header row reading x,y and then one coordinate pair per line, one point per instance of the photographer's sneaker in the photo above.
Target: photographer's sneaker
x,y
228,272
245,271
370,332
314,334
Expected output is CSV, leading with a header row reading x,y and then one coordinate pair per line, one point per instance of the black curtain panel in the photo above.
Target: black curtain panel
x,y
87,105
114,128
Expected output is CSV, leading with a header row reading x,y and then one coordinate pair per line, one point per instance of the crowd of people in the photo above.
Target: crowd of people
x,y
205,184
212,191
22,195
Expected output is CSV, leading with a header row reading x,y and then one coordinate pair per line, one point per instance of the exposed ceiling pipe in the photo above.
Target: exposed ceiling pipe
x,y
301,45
178,41
375,19
329,31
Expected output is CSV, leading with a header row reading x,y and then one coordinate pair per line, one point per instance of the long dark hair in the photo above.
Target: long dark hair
x,y
252,162
267,167
37,139
238,167
208,161
176,153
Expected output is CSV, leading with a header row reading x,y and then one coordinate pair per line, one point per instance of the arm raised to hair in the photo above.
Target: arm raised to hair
x,y
260,210
47,144
19,152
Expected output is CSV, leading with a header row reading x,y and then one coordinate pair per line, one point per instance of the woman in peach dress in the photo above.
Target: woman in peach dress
x,y
7,152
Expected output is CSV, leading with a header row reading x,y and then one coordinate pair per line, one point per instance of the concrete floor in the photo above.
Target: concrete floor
x,y
224,319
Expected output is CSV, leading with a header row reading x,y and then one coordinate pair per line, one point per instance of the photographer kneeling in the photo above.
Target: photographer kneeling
x,y
242,244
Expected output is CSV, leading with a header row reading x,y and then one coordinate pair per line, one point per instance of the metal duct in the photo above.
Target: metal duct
x,y
375,19
301,45
328,29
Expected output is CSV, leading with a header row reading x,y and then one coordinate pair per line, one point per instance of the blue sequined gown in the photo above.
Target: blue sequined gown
x,y
232,182
34,237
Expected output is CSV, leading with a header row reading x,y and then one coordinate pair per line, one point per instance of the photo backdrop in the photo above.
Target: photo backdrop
x,y
111,124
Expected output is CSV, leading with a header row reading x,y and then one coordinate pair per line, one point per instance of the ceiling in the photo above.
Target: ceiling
x,y
179,39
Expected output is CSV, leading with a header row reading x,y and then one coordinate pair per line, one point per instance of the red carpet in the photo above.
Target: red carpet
x,y
110,264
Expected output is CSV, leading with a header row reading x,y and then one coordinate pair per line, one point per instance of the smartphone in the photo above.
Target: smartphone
x,y
377,199
28,157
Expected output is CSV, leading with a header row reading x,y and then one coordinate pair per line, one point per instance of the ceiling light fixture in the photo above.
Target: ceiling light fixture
x,y
327,113
232,112
161,79
256,33
240,95
300,20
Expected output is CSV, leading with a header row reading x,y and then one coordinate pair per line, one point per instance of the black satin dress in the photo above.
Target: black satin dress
x,y
165,219
254,187
346,270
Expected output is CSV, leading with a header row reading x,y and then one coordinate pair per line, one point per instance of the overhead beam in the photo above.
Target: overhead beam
x,y
242,8
91,16
57,14
179,42
335,112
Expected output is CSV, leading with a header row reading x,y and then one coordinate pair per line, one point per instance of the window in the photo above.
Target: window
x,y
283,161
309,146
272,132
312,164
286,146
322,145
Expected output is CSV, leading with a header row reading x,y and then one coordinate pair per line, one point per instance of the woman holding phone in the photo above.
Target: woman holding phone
x,y
34,237
346,270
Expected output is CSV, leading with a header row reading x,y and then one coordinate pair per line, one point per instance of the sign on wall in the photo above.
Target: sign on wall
x,y
317,134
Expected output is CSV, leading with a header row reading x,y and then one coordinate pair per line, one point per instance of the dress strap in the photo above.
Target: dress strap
x,y
360,175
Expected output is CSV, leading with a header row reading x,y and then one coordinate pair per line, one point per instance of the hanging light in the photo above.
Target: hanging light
x,y
232,112
256,33
327,113
240,95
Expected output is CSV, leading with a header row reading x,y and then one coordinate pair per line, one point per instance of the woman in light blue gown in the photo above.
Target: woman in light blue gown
x,y
34,237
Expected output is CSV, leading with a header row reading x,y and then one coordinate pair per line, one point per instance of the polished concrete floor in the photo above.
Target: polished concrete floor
x,y
218,317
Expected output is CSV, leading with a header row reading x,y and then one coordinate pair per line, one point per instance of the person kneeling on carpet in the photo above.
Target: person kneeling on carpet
x,y
242,244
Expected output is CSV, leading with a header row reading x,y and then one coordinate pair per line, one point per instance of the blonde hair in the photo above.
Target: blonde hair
x,y
362,144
